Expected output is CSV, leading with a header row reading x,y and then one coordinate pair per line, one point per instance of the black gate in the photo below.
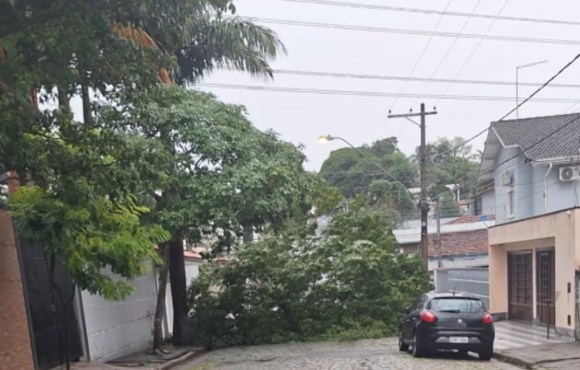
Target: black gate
x,y
49,291
520,292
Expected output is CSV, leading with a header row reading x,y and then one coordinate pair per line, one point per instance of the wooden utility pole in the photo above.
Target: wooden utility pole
x,y
423,203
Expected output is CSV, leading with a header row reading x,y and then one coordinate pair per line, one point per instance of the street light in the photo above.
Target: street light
x,y
517,82
327,138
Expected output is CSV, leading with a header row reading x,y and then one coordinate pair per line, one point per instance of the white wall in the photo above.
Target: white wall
x,y
116,329
191,272
488,203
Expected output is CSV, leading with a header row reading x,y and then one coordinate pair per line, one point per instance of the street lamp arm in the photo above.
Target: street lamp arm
x,y
366,156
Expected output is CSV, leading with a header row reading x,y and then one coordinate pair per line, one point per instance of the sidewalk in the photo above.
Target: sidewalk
x,y
513,334
144,360
545,356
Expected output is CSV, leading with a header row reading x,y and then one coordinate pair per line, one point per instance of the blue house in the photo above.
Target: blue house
x,y
534,247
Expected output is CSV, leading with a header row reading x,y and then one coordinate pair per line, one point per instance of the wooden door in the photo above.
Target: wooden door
x,y
520,291
546,286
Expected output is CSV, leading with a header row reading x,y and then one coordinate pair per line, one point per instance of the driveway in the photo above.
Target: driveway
x,y
364,355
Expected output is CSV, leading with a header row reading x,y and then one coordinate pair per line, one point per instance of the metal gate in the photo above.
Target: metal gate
x,y
49,292
546,286
520,291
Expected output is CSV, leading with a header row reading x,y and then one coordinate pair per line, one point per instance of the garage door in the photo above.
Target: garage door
x,y
520,291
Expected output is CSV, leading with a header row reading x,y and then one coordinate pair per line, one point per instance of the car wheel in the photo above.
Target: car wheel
x,y
485,355
403,347
418,350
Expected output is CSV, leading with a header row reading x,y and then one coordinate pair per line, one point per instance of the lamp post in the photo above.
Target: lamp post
x,y
518,82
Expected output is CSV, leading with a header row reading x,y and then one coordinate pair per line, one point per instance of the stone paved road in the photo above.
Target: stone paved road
x,y
361,355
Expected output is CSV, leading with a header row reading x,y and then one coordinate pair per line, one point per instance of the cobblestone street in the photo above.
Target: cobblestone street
x,y
361,355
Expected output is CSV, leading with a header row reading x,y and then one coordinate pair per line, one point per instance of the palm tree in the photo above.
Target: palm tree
x,y
201,39
193,37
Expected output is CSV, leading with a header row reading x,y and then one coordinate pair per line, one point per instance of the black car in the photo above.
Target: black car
x,y
447,321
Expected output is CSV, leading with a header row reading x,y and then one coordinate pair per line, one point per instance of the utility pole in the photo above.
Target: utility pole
x,y
423,204
439,263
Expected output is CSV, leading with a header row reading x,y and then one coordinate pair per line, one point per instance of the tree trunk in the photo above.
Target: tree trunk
x,y
63,100
248,234
87,115
179,293
161,294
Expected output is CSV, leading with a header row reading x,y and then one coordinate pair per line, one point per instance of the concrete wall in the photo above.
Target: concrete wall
x,y
115,329
555,230
16,350
469,280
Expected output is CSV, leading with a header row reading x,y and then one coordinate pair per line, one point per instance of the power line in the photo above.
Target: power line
x,y
418,61
543,86
363,76
522,103
523,150
375,94
480,41
288,22
411,31
446,55
435,12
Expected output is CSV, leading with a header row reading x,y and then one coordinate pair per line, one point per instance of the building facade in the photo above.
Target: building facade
x,y
534,248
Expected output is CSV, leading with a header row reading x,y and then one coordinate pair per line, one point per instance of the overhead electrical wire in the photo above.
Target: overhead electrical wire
x,y
413,79
423,52
542,87
412,31
523,150
434,12
288,22
451,46
375,94
479,43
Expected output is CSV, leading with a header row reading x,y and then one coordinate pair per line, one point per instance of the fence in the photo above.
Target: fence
x,y
471,280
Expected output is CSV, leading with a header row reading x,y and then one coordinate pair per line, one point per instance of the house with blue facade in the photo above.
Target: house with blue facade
x,y
534,246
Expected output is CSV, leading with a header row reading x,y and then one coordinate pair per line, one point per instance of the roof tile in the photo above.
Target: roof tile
x,y
542,137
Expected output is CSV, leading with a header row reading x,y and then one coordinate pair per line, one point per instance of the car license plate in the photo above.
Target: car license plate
x,y
458,340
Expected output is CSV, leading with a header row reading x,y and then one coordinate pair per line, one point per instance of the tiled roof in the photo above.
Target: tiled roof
x,y
192,255
461,243
542,137
470,219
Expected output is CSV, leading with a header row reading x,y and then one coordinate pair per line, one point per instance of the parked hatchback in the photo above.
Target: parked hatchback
x,y
447,321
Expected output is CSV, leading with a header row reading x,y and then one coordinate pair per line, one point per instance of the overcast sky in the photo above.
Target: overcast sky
x,y
302,118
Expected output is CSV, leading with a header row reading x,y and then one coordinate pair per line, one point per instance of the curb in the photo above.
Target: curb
x,y
180,360
513,360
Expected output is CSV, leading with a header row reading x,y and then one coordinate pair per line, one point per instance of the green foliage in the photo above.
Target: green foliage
x,y
351,283
212,169
448,165
353,174
89,235
449,207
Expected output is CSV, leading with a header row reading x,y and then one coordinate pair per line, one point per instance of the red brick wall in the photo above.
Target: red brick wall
x,y
15,349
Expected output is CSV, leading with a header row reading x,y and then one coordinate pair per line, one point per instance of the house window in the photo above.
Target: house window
x,y
510,203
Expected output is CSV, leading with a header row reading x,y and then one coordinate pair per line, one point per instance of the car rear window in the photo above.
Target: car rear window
x,y
457,305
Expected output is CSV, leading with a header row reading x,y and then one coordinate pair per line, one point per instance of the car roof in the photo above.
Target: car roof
x,y
432,295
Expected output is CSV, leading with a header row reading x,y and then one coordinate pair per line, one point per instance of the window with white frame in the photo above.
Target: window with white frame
x,y
510,206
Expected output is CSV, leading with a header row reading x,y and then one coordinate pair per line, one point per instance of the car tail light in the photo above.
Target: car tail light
x,y
428,317
487,318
